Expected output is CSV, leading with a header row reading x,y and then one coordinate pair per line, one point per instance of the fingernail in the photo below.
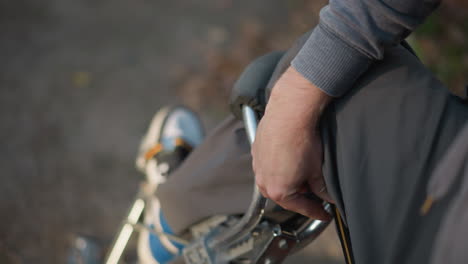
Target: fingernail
x,y
323,216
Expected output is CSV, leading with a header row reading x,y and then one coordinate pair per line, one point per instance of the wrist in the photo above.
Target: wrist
x,y
298,98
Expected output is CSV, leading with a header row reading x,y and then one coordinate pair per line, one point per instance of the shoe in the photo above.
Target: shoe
x,y
172,134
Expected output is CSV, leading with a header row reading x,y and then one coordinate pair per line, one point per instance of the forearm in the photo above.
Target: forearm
x,y
352,34
298,102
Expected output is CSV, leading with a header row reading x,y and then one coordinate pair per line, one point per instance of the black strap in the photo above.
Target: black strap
x,y
173,158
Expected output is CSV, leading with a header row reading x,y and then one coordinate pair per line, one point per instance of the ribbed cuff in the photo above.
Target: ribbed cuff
x,y
329,63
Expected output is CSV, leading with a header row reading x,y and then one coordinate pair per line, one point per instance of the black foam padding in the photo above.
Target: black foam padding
x,y
249,89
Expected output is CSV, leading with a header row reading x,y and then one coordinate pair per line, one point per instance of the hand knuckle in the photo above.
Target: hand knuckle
x,y
260,183
277,195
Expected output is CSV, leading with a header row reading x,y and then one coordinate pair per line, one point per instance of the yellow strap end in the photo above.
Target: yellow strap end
x,y
427,205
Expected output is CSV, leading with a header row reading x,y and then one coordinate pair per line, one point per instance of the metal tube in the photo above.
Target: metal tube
x,y
257,207
250,122
311,229
127,229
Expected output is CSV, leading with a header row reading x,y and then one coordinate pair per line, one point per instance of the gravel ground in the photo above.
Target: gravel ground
x,y
80,79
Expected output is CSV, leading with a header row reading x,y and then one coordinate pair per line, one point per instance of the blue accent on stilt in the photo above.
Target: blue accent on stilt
x,y
159,252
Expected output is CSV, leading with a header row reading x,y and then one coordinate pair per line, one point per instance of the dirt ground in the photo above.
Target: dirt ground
x,y
80,80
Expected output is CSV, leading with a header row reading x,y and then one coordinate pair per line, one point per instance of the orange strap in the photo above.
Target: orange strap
x,y
153,151
179,142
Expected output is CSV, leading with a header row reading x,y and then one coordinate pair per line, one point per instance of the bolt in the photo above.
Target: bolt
x,y
276,231
283,244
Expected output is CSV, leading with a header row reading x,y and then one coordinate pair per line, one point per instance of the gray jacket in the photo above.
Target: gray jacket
x,y
352,34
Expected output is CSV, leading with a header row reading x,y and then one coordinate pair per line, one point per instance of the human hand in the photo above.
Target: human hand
x,y
287,152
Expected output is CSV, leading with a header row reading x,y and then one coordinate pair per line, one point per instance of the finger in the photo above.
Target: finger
x,y
299,203
262,191
319,188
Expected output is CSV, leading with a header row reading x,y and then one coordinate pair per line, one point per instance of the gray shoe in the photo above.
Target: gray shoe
x,y
172,134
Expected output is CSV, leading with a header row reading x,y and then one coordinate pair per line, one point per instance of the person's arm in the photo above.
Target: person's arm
x,y
352,34
287,153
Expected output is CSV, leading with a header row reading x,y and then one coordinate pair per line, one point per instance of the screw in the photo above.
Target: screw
x,y
283,244
276,231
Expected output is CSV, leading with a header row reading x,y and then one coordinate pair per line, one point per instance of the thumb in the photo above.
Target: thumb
x,y
303,205
319,188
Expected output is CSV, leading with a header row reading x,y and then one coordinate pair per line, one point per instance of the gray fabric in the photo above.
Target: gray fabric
x,y
447,171
216,178
382,142
352,34
450,244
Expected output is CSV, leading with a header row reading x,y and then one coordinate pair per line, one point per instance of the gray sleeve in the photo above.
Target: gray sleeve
x,y
352,34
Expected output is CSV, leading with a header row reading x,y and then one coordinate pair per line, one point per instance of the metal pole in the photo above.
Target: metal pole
x,y
257,207
125,233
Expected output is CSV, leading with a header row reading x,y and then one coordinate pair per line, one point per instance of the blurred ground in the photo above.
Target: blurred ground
x,y
442,44
80,80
